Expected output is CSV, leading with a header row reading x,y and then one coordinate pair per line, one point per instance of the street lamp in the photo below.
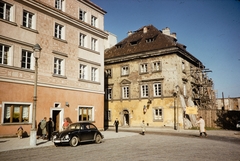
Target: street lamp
x,y
175,94
33,137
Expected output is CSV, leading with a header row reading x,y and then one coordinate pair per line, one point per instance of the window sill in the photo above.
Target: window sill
x,y
143,73
29,29
17,68
16,123
88,81
64,41
125,75
59,76
9,22
84,48
156,71
157,120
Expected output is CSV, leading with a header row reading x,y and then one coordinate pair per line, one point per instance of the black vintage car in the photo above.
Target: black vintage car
x,y
76,133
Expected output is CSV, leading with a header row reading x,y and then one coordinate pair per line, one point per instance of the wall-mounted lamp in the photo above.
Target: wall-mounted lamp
x,y
149,102
67,104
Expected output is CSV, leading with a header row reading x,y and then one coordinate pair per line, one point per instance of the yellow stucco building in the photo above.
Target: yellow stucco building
x,y
150,77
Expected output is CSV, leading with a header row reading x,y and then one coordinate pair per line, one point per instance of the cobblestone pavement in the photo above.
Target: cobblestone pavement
x,y
152,146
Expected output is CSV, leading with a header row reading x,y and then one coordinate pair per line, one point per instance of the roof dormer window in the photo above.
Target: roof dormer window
x,y
134,43
150,40
119,46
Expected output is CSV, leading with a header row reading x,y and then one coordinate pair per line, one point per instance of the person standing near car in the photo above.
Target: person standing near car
x,y
202,129
43,127
50,128
116,123
65,124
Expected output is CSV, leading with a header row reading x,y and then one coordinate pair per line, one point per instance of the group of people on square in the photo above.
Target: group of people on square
x,y
45,128
200,122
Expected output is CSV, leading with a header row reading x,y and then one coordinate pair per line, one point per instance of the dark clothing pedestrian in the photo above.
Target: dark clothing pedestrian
x,y
116,123
50,128
39,130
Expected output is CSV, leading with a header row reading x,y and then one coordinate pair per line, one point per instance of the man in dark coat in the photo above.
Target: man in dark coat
x,y
50,128
116,123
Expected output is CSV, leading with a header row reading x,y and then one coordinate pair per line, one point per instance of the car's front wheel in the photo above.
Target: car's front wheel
x,y
74,141
98,139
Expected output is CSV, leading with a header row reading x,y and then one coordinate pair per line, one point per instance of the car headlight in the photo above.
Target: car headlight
x,y
66,137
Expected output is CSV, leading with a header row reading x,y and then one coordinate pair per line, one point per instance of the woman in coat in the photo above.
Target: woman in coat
x,y
201,123
43,127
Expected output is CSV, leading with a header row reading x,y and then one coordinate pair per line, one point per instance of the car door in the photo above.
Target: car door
x,y
86,133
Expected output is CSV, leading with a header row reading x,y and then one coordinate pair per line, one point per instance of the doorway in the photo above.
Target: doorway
x,y
126,118
56,117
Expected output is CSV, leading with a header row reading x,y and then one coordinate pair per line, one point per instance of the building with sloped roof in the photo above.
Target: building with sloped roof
x,y
152,77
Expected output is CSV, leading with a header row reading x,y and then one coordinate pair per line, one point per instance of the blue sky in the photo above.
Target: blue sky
x,y
209,28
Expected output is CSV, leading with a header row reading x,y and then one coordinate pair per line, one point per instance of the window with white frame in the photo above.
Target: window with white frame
x,y
85,114
143,68
94,74
28,19
58,66
125,92
144,90
125,70
156,66
94,21
82,15
16,112
4,54
59,31
94,44
82,71
157,89
157,114
82,39
108,72
6,11
59,4
27,60
109,93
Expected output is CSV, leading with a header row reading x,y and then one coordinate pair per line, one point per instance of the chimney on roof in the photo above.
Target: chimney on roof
x,y
166,31
145,30
174,34
129,33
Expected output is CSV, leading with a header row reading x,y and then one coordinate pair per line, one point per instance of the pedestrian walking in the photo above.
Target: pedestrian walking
x,y
50,128
43,127
116,123
143,128
202,129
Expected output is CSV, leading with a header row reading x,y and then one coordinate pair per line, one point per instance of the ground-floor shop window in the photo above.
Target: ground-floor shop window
x,y
16,113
